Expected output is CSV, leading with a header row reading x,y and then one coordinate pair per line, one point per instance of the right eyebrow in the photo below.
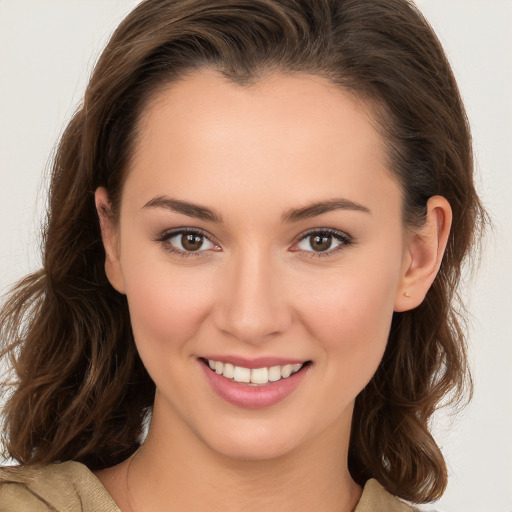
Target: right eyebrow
x,y
184,207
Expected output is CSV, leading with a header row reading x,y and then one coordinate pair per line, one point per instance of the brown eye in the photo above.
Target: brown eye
x,y
318,242
188,242
323,242
191,241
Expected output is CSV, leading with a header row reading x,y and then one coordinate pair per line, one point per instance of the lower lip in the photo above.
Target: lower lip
x,y
253,397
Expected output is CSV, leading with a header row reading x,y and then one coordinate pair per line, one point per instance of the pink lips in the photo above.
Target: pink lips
x,y
250,396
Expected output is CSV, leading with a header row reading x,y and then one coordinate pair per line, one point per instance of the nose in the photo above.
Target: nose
x,y
251,304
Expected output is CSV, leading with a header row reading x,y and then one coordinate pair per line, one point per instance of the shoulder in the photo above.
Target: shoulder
x,y
68,487
376,499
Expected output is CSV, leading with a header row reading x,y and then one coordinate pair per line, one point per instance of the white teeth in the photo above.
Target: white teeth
x,y
259,376
242,374
286,371
274,373
229,370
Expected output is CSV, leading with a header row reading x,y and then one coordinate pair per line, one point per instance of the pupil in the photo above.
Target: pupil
x,y
191,242
321,242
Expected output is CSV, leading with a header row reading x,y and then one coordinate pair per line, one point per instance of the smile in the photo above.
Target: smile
x,y
254,383
255,376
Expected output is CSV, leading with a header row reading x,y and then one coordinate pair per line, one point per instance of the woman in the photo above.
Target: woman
x,y
256,226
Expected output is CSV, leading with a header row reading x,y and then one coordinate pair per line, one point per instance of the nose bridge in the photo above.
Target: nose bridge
x,y
253,305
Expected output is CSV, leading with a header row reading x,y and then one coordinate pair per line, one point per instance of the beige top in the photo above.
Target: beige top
x,y
71,487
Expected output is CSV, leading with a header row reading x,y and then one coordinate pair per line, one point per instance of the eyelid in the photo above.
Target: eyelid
x,y
166,235
344,238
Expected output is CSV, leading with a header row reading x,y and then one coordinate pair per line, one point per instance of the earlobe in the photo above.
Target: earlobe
x,y
109,236
425,250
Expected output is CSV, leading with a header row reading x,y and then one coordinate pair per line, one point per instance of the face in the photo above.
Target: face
x,y
259,230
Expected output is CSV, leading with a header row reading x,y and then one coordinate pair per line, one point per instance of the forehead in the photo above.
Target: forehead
x,y
299,134
206,103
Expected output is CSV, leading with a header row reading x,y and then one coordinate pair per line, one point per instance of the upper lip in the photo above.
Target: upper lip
x,y
258,362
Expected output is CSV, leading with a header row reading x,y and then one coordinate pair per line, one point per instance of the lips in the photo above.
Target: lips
x,y
253,383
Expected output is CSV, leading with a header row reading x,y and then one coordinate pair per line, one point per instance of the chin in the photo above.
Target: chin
x,y
254,443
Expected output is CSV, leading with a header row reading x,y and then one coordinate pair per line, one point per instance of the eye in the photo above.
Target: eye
x,y
187,242
323,242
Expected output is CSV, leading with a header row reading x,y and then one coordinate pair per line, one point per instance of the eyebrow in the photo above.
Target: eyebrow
x,y
293,215
319,207
184,207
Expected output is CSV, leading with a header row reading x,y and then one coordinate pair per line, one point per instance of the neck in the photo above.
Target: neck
x,y
180,472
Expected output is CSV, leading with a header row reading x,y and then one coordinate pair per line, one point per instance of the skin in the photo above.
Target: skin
x,y
258,288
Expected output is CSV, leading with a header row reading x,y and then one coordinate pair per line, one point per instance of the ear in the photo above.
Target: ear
x,y
424,253
109,236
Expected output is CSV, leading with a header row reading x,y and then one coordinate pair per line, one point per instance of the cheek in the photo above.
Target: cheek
x,y
350,315
166,306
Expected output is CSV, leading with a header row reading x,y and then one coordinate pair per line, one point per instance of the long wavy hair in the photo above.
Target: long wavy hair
x,y
77,388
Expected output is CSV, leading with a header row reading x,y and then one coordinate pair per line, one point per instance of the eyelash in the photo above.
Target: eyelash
x,y
166,236
344,240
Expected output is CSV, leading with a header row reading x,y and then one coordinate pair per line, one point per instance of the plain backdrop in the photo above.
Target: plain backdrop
x,y
47,50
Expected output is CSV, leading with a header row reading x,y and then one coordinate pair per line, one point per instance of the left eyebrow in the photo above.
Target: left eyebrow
x,y
320,207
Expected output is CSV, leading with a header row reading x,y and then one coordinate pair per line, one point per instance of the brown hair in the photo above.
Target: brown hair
x,y
80,390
